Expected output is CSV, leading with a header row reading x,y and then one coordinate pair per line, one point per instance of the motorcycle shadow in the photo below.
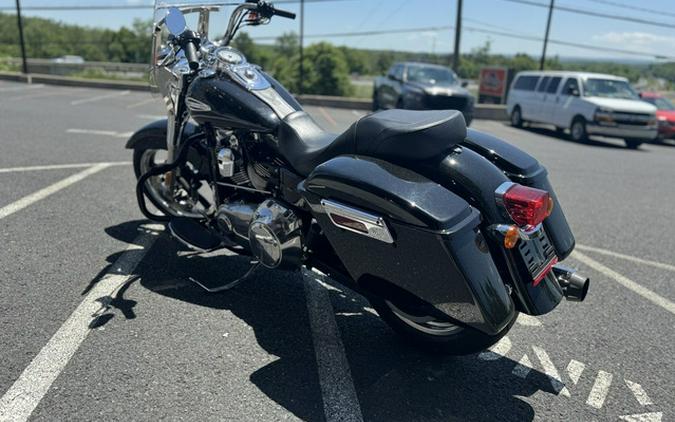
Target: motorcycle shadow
x,y
393,381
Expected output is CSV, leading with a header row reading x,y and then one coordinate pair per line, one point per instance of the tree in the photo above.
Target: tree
x,y
327,70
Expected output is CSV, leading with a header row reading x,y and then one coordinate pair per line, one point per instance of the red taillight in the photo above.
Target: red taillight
x,y
527,206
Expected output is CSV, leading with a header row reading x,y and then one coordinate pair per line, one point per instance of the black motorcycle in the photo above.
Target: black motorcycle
x,y
448,232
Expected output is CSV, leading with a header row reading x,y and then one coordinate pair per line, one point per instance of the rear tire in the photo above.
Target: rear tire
x,y
578,130
516,117
433,335
632,143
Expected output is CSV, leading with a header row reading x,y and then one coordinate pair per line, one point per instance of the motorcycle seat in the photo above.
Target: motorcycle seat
x,y
399,136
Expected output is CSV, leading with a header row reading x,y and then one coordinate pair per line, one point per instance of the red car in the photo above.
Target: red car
x,y
665,113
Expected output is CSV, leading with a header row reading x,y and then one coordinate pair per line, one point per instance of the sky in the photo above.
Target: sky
x,y
495,15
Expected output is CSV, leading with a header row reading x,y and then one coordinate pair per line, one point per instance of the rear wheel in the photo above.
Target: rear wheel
x,y
578,130
516,117
633,143
434,334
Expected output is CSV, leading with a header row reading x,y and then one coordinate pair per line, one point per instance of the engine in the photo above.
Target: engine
x,y
269,229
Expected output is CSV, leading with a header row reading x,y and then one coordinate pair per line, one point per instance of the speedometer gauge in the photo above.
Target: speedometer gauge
x,y
229,56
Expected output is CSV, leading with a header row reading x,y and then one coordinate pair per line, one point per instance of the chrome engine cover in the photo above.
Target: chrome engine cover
x,y
275,236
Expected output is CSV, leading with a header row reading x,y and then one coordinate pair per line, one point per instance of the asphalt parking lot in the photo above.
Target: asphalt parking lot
x,y
98,318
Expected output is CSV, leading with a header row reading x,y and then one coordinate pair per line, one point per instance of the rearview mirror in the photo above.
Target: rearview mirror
x,y
175,21
573,92
465,84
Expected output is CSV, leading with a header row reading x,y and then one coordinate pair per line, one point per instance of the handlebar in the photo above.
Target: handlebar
x,y
190,50
284,14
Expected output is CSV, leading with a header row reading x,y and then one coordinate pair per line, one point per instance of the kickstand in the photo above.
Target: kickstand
x,y
231,284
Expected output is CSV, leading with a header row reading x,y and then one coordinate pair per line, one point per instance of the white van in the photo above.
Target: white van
x,y
584,103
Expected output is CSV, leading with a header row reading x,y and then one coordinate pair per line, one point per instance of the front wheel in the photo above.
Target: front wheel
x,y
578,130
376,101
433,334
179,199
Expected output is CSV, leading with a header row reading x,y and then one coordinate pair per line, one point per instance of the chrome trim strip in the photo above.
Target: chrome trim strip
x,y
377,228
501,191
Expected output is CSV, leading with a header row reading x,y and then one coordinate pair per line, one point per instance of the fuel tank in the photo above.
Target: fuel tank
x,y
224,103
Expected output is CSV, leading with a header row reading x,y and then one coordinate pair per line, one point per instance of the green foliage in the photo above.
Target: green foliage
x,y
46,38
327,68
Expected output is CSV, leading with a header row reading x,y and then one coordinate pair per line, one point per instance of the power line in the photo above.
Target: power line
x,y
569,44
480,30
632,7
596,14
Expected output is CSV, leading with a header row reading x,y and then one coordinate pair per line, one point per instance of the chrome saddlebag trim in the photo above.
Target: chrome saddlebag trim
x,y
375,225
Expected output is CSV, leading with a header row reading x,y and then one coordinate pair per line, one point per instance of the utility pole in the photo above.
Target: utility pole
x,y
548,28
21,40
458,34
302,47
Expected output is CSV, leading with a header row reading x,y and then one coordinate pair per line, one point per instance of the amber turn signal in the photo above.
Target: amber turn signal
x,y
511,237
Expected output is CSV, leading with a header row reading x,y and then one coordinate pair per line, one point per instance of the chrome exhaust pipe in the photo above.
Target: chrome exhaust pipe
x,y
574,286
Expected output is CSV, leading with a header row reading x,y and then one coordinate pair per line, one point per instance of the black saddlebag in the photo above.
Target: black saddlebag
x,y
393,227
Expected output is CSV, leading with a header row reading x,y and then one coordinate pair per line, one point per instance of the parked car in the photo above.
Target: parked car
x,y
422,86
584,103
665,115
69,59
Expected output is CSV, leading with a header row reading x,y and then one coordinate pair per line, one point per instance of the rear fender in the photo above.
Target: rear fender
x,y
474,178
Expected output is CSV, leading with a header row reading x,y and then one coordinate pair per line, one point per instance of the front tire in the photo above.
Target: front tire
x,y
578,130
376,101
434,335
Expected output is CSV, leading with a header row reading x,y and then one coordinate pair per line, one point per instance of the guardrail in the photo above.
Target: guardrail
x,y
481,111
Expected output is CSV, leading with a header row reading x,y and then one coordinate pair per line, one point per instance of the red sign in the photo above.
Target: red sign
x,y
493,81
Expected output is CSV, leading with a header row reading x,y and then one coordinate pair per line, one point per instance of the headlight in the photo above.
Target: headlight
x,y
604,116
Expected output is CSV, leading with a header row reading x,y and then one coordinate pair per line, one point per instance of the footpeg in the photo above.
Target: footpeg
x,y
190,233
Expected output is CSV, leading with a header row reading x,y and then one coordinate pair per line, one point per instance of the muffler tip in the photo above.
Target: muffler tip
x,y
573,285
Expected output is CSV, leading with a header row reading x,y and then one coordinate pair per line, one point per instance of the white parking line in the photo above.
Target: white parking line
x,y
639,393
596,398
62,166
523,368
626,282
100,97
43,193
643,417
635,259
142,103
38,95
25,394
340,402
112,133
551,371
528,320
501,348
574,370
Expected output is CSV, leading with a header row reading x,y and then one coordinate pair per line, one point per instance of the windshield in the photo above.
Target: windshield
x,y
431,75
162,5
660,103
609,88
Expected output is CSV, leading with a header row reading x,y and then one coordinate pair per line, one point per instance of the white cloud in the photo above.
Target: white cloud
x,y
635,39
